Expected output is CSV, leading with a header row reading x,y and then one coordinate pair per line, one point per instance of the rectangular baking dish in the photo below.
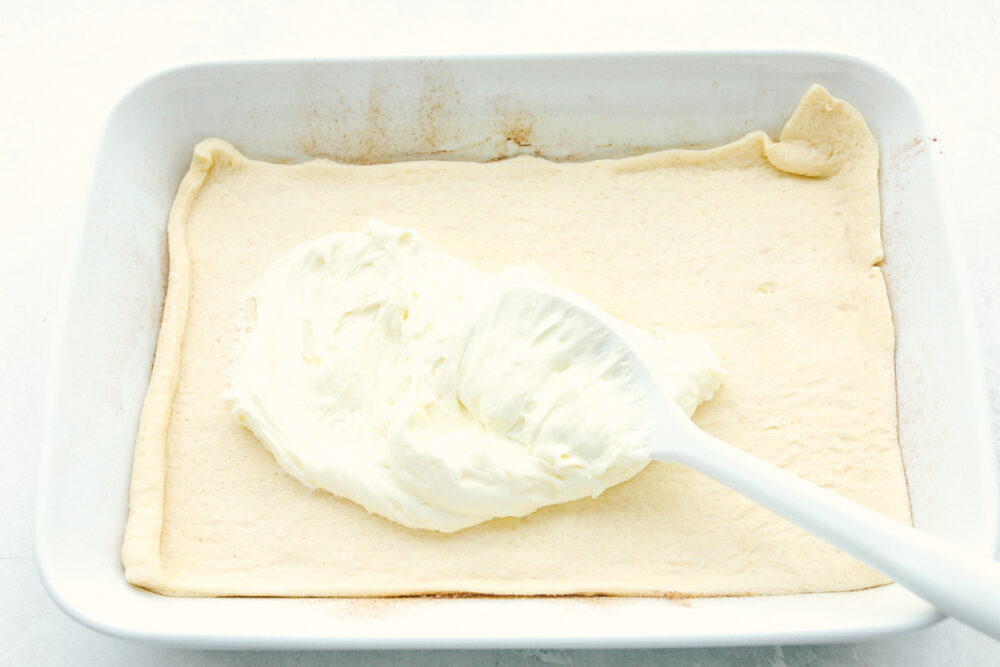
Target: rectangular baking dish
x,y
563,107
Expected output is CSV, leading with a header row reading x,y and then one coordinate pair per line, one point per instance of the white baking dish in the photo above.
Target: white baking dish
x,y
573,107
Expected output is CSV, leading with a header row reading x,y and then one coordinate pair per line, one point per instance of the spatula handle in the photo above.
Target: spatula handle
x,y
959,582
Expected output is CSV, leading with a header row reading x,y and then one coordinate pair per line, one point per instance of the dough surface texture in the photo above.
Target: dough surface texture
x,y
767,249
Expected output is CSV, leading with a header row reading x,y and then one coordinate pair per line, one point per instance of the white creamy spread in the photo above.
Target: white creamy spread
x,y
370,366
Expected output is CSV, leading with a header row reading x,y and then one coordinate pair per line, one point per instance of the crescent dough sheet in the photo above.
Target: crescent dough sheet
x,y
770,250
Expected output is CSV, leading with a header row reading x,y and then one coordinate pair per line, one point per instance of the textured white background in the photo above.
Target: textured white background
x,y
64,64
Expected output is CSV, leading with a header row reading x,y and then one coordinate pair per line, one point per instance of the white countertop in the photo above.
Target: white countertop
x,y
64,65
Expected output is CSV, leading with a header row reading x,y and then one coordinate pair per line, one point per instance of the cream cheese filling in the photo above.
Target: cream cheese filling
x,y
369,368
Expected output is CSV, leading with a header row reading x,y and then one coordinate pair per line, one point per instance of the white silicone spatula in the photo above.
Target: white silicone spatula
x,y
959,582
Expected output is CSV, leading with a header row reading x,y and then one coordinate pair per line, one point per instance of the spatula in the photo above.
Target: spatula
x,y
959,582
